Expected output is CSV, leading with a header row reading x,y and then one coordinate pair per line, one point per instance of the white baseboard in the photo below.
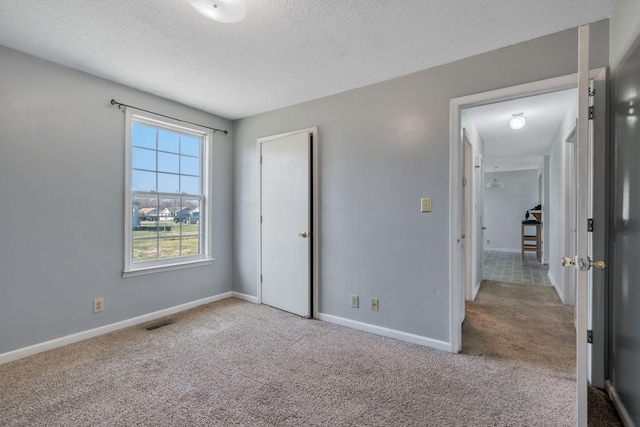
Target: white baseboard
x,y
622,411
80,336
244,297
476,289
386,332
555,285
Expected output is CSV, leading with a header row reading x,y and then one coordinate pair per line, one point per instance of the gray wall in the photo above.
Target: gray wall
x,y
623,267
504,208
381,148
624,29
62,191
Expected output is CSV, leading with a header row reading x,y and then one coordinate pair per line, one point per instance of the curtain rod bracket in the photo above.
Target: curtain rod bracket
x,y
120,105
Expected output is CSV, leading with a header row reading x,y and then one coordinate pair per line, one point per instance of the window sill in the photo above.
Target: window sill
x,y
168,267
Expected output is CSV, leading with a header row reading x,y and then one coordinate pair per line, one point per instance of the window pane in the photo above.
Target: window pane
x,y
192,226
142,136
168,207
190,246
189,185
190,145
190,165
143,181
144,249
147,210
168,141
168,162
143,159
168,183
169,247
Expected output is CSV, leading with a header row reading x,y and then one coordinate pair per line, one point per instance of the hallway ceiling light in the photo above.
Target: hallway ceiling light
x,y
225,11
495,183
518,121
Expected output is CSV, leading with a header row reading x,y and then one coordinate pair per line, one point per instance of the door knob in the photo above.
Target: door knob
x,y
600,265
303,234
463,236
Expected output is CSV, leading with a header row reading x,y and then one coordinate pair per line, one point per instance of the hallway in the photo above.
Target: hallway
x,y
509,267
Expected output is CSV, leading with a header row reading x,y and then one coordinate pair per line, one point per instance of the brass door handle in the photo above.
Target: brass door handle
x,y
600,264
303,234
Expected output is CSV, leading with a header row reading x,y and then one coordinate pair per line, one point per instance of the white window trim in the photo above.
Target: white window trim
x,y
132,269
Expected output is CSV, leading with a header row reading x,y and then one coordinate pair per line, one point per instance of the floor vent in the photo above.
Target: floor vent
x,y
159,325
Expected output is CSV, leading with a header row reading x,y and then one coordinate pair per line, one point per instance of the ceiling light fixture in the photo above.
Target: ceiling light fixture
x,y
518,121
225,11
495,183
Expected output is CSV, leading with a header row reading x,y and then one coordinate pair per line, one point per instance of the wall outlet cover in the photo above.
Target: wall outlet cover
x,y
98,305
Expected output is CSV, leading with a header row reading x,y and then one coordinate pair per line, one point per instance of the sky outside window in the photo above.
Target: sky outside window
x,y
164,161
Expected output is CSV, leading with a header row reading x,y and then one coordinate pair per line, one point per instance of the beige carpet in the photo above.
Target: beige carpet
x,y
235,363
529,325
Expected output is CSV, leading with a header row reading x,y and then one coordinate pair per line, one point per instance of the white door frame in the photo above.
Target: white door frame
x,y
582,253
569,184
469,212
478,231
600,202
315,216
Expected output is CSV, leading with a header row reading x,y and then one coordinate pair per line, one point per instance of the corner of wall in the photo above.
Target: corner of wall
x,y
624,30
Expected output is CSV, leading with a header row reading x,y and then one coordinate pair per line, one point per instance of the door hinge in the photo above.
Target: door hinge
x,y
589,336
464,181
260,219
260,159
261,278
590,225
591,109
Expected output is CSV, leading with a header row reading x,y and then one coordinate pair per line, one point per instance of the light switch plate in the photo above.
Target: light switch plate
x,y
355,301
425,204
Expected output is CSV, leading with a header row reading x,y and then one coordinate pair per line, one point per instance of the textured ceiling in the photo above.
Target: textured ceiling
x,y
284,52
510,149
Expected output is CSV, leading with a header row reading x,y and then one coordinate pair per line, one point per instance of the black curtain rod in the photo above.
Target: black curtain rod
x,y
120,104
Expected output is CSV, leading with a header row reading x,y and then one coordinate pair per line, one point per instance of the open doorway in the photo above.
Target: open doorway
x,y
460,107
508,101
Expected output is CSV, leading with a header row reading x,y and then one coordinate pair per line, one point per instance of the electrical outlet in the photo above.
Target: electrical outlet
x,y
98,305
374,304
355,301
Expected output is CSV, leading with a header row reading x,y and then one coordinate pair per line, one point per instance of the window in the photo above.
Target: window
x,y
167,201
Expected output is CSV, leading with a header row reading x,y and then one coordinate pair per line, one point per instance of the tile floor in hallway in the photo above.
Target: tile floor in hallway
x,y
510,267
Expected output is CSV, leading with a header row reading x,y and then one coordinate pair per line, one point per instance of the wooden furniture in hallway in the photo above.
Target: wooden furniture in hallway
x,y
532,242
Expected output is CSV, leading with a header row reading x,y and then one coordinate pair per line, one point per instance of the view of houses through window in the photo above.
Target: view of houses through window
x,y
165,228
